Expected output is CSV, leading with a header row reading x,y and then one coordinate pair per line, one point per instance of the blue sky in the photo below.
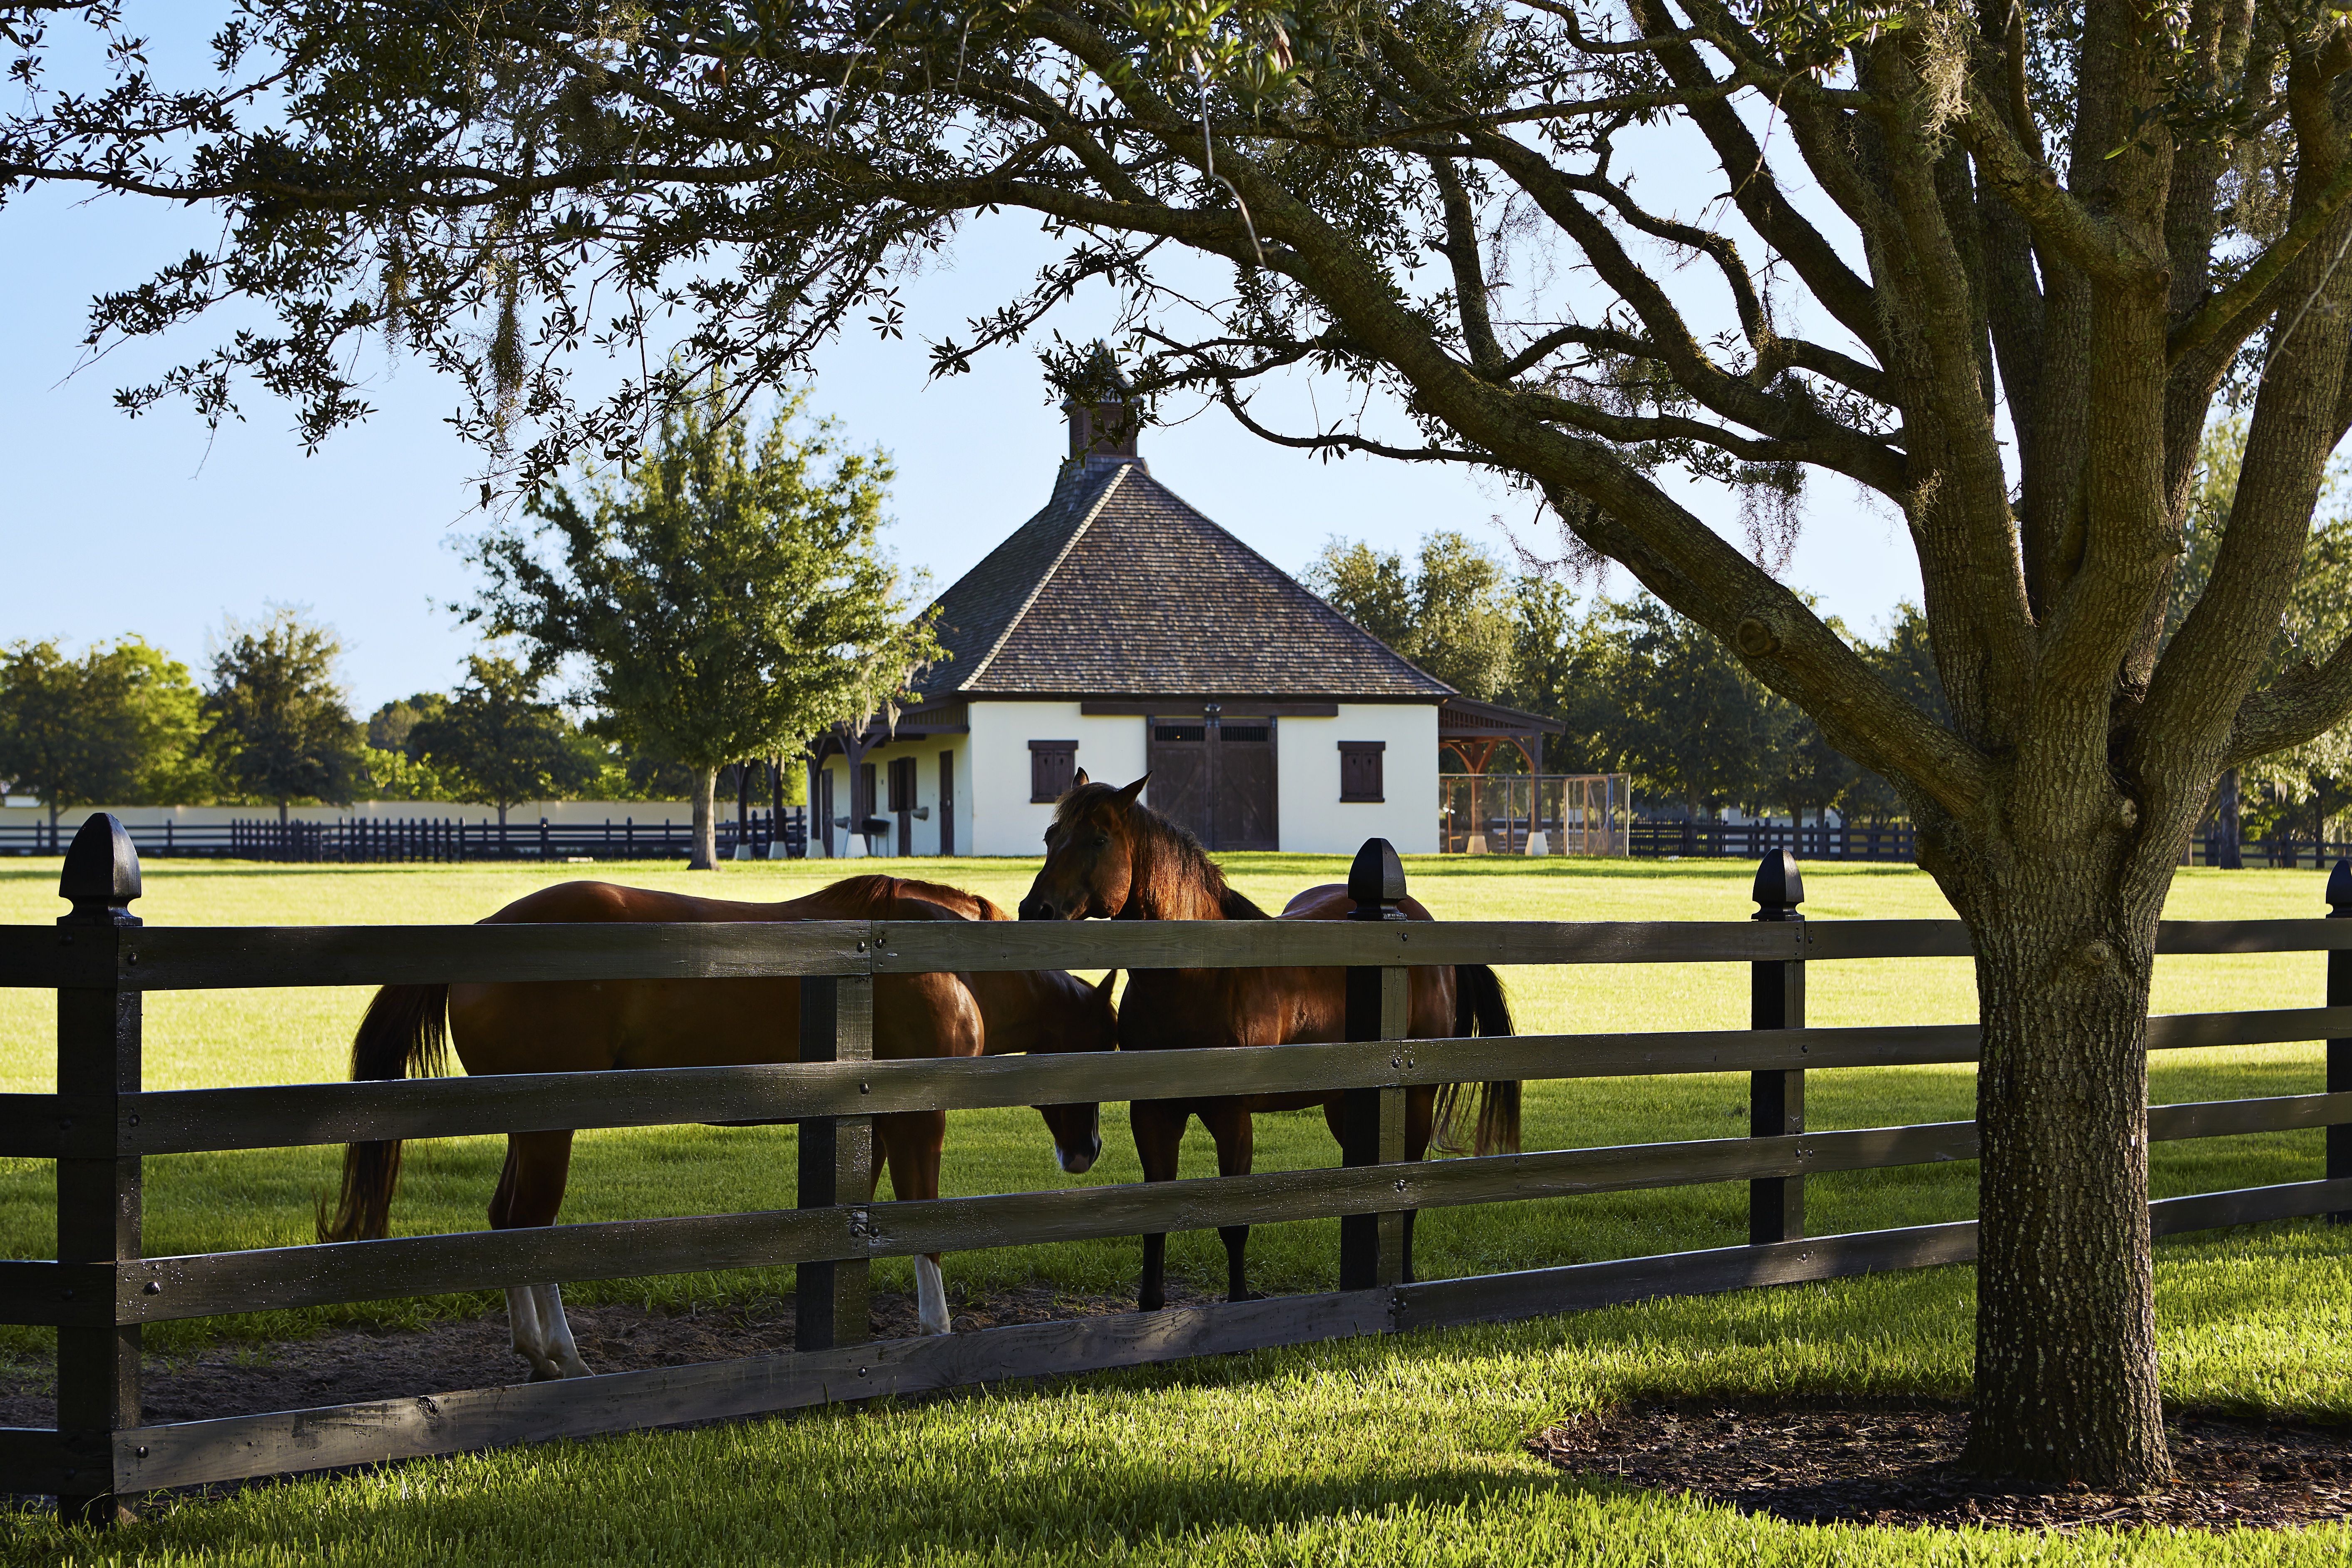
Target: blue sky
x,y
157,527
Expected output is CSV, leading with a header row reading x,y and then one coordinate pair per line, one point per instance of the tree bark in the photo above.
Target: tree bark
x,y
2232,855
706,820
2066,1366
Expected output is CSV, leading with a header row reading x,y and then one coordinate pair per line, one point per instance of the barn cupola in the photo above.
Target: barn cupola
x,y
1106,416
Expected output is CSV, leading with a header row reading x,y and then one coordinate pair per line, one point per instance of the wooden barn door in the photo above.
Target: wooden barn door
x,y
1215,775
1178,757
1244,771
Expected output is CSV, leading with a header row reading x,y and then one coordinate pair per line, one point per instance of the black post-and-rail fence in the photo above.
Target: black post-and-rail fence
x,y
1663,839
102,1288
782,835
763,835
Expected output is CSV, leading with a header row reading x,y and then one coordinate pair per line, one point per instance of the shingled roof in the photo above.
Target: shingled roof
x,y
1119,588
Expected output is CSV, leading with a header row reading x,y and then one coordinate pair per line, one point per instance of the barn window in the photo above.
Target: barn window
x,y
1180,732
1052,763
1359,770
1259,732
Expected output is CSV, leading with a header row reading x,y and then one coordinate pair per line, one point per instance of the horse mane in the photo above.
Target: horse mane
x,y
873,896
955,898
1172,852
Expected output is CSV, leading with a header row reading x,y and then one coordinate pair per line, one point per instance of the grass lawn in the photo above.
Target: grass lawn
x,y
1404,1451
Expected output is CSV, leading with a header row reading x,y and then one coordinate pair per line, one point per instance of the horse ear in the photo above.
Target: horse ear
x,y
1081,781
1126,796
1110,978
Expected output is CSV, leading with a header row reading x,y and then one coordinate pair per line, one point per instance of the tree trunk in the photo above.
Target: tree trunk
x,y
706,820
502,821
2066,1367
2231,856
281,813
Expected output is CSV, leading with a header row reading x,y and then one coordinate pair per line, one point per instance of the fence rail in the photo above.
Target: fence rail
x,y
761,835
1660,840
101,1289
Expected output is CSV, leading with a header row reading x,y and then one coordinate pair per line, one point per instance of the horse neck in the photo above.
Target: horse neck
x,y
1016,1005
1007,1000
1171,884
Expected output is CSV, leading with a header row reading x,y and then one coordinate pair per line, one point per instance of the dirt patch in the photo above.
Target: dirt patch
x,y
347,1367
1836,1464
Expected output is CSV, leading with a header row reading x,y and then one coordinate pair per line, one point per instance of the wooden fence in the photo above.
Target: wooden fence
x,y
101,1287
763,835
1658,840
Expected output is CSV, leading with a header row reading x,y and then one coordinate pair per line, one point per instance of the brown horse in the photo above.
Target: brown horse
x,y
1109,857
594,1025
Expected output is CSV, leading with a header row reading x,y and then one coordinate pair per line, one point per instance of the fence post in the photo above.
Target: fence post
x,y
836,1162
1374,1247
2339,1052
1776,1100
98,1206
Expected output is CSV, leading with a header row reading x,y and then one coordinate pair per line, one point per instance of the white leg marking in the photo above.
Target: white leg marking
x,y
931,1295
522,1317
560,1350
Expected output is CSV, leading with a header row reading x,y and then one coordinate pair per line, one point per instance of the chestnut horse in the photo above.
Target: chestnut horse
x,y
1110,857
594,1025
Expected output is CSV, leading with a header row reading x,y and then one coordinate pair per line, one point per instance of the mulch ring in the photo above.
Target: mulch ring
x,y
1823,1464
234,1377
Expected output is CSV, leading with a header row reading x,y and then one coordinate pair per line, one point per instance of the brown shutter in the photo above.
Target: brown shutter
x,y
1359,770
1052,765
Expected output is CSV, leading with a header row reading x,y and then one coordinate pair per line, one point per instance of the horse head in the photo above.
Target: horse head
x,y
1082,1020
1089,854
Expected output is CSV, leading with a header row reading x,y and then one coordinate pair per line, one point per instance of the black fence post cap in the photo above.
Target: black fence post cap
x,y
1778,887
101,873
1376,881
2339,888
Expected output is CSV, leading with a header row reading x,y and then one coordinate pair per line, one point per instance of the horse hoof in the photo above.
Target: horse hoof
x,y
544,1375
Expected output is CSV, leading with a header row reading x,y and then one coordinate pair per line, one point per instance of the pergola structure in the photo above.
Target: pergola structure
x,y
1471,730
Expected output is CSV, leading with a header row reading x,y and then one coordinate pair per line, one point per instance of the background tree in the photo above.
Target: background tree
x,y
1450,614
494,743
730,600
391,726
2016,252
2317,617
1560,665
117,725
395,771
277,723
1689,722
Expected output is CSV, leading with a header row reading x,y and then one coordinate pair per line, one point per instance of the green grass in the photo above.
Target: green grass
x,y
1402,1450
1393,1452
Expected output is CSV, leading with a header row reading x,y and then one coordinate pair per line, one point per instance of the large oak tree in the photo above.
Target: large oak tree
x,y
1992,265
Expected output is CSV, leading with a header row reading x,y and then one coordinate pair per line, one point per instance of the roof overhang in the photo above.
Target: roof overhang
x,y
1465,718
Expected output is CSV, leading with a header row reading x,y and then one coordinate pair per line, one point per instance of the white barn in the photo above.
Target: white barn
x,y
1120,632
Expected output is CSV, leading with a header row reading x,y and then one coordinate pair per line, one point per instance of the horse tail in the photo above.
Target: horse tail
x,y
1480,1007
404,1033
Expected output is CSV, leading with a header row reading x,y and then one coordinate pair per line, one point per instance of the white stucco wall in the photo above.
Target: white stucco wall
x,y
1005,821
995,815
925,749
1314,821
